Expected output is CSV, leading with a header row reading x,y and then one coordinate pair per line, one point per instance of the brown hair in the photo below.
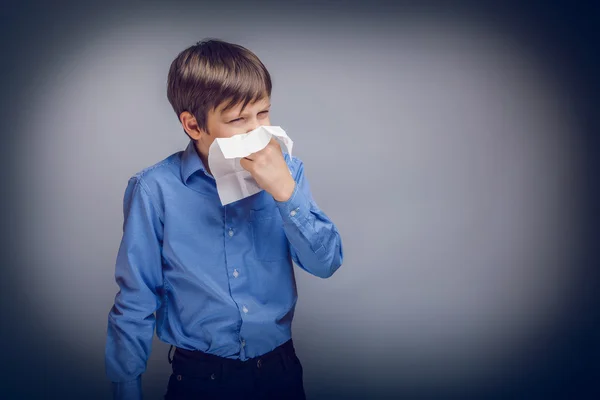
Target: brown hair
x,y
212,71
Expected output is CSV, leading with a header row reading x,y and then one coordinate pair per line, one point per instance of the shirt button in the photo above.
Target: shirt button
x,y
293,213
231,232
245,310
259,363
243,343
235,273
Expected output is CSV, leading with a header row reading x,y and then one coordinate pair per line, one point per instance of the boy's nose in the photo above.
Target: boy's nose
x,y
252,125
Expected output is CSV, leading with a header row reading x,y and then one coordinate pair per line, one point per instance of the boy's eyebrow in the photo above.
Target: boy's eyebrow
x,y
230,115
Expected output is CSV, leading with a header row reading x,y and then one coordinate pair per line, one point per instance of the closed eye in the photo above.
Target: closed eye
x,y
262,114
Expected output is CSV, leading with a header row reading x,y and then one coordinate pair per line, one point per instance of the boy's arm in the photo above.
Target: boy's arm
x,y
315,243
138,273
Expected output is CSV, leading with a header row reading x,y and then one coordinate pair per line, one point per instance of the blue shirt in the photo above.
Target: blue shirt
x,y
219,278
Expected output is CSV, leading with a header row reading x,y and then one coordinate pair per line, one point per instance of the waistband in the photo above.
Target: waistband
x,y
184,355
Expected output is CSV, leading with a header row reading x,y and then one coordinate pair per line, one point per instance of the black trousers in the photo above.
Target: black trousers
x,y
274,375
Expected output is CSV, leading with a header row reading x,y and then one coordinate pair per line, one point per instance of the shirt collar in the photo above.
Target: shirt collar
x,y
191,162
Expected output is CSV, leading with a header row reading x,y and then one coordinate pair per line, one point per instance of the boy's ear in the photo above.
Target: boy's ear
x,y
190,125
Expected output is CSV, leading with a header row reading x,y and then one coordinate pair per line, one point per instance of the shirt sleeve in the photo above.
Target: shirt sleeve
x,y
315,242
138,274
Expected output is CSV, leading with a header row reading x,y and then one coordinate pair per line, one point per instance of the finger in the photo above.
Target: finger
x,y
252,156
246,163
273,143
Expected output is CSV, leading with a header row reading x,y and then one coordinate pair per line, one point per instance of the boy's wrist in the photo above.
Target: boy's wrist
x,y
286,192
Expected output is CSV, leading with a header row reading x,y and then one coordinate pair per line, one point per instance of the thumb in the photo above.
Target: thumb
x,y
246,164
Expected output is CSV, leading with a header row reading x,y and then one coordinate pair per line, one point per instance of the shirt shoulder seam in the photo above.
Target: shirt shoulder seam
x,y
151,199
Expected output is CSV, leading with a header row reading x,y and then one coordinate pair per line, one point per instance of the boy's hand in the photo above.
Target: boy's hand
x,y
270,171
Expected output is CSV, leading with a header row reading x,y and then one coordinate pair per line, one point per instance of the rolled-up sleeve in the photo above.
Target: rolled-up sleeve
x,y
138,273
315,242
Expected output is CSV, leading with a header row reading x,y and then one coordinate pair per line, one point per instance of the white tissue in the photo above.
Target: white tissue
x,y
234,182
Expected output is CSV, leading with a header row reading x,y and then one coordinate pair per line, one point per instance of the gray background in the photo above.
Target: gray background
x,y
449,146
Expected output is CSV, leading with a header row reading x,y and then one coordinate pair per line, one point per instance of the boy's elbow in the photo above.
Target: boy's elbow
x,y
333,263
328,273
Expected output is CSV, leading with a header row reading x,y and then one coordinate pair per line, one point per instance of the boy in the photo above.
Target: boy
x,y
220,278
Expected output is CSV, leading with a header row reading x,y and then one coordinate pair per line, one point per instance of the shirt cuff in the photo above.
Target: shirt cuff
x,y
128,390
296,209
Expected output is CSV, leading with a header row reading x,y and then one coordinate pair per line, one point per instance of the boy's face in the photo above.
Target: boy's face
x,y
226,123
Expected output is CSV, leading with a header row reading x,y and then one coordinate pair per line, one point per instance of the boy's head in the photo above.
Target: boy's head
x,y
218,89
